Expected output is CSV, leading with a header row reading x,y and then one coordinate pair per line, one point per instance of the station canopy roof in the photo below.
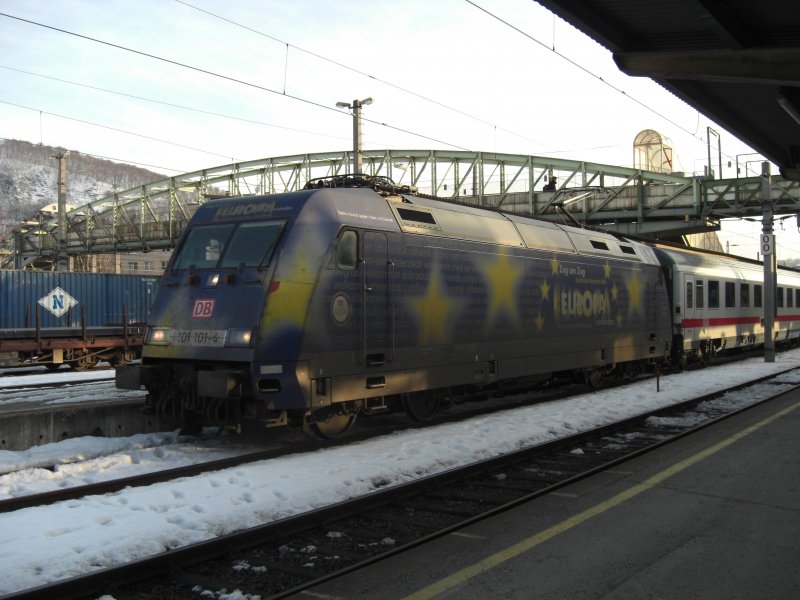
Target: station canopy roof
x,y
735,61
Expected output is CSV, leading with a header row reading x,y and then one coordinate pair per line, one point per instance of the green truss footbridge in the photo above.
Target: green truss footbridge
x,y
626,200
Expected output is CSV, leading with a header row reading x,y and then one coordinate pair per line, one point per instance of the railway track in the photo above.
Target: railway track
x,y
283,442
284,557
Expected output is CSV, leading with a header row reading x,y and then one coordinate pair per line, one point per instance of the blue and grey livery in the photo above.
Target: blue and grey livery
x,y
354,295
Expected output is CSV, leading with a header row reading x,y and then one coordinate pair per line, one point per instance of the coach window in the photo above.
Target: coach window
x,y
730,294
689,294
780,297
797,298
701,296
744,295
347,251
757,295
789,297
713,294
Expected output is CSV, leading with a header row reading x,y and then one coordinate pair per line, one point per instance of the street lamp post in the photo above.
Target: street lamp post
x,y
356,108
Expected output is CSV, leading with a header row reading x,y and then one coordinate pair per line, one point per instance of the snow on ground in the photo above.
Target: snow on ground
x,y
38,545
77,449
37,376
96,391
85,460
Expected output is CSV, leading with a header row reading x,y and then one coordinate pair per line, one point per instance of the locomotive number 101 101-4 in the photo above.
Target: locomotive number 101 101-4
x,y
198,337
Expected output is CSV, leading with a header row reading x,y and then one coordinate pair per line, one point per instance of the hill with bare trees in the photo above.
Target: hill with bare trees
x,y
29,178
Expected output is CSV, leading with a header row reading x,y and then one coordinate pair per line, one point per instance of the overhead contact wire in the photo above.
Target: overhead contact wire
x,y
221,76
354,70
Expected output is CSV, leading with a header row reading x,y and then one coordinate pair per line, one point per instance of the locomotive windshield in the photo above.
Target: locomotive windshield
x,y
229,245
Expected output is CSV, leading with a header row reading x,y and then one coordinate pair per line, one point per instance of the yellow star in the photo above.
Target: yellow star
x,y
433,309
545,290
634,293
290,300
614,292
539,322
502,277
554,266
607,270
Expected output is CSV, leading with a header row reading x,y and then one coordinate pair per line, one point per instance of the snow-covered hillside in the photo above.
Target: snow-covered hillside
x,y
29,176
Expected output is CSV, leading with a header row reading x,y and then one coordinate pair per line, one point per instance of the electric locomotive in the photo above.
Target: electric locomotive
x,y
357,296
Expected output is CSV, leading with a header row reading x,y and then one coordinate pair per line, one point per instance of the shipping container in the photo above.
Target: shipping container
x,y
61,299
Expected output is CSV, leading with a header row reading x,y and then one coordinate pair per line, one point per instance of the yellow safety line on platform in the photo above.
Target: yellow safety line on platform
x,y
512,551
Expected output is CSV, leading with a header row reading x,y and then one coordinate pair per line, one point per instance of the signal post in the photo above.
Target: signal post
x,y
768,252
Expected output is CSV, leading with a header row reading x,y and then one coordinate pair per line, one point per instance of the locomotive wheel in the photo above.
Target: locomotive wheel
x,y
421,406
331,423
594,378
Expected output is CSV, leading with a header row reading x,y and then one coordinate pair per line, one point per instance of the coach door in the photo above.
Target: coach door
x,y
688,299
378,302
694,301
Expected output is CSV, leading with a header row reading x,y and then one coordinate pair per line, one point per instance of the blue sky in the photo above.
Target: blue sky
x,y
447,71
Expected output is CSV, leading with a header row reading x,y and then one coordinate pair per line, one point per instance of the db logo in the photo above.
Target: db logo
x,y
202,309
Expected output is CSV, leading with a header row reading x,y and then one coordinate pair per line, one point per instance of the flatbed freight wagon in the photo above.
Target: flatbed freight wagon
x,y
78,319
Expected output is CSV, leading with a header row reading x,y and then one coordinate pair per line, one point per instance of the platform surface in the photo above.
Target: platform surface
x,y
715,515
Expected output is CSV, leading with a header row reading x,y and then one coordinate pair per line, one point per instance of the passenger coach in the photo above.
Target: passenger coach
x,y
718,302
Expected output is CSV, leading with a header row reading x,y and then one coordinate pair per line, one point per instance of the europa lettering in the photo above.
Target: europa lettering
x,y
245,210
577,303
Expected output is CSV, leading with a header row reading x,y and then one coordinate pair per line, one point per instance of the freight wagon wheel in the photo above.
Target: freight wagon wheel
x,y
332,423
421,406
84,362
121,358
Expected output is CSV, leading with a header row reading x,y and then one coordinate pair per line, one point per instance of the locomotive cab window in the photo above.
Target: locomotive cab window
x,y
203,247
252,244
347,251
228,245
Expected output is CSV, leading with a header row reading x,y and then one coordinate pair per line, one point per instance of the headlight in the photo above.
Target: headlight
x,y
158,336
239,337
212,280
